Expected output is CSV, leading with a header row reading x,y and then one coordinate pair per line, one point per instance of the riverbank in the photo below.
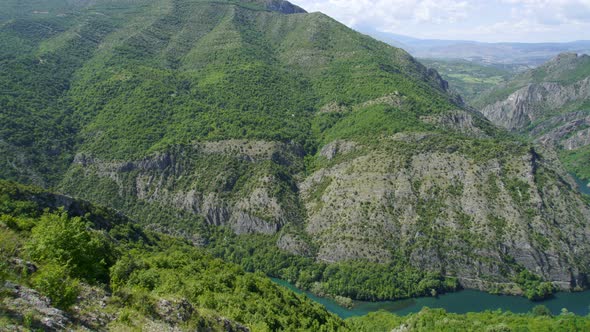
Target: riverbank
x,y
460,302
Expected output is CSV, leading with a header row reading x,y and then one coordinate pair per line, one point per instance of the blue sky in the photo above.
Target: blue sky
x,y
482,20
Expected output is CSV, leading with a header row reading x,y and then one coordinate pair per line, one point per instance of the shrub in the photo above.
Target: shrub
x,y
67,241
53,281
541,310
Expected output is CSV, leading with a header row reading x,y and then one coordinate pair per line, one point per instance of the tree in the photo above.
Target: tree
x,y
53,280
541,310
68,242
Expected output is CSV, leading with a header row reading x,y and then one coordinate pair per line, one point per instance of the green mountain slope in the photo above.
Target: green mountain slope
x,y
252,124
103,272
551,105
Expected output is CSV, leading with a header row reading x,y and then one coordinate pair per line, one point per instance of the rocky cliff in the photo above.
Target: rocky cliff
x,y
476,219
244,184
467,209
550,105
535,102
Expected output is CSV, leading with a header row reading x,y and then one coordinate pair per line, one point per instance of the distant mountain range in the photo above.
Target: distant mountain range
x,y
526,54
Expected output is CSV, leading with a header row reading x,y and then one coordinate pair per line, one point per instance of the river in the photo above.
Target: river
x,y
583,185
459,302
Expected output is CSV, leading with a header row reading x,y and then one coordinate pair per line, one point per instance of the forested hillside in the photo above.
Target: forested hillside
x,y
257,131
104,272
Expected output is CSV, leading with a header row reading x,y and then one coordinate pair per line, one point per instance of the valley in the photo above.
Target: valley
x,y
207,146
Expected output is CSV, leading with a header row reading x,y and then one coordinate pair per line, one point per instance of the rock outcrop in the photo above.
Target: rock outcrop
x,y
447,212
249,194
28,304
534,102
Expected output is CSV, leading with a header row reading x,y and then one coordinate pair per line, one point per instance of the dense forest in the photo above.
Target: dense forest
x,y
232,141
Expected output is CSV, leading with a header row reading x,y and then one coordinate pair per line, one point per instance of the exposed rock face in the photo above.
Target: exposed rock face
x,y
534,101
25,301
174,311
552,131
450,213
337,147
459,120
248,195
294,244
476,218
578,140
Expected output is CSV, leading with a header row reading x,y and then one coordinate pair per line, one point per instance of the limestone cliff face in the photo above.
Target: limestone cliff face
x,y
568,131
456,212
250,194
447,212
535,101
550,107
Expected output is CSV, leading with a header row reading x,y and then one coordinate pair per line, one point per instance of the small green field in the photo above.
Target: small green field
x,y
468,78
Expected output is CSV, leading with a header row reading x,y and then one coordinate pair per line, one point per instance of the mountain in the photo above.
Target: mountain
x,y
67,264
524,55
285,142
549,104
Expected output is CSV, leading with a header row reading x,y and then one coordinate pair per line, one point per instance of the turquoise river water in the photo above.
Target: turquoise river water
x,y
583,185
458,302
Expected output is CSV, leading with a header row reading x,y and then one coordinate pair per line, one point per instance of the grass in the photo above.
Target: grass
x,y
467,78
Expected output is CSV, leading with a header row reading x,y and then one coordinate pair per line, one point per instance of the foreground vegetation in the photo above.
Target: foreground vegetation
x,y
138,270
82,249
439,320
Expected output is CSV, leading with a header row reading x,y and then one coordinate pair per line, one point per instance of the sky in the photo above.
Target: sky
x,y
480,20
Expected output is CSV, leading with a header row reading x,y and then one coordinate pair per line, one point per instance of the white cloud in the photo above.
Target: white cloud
x,y
486,20
390,12
552,12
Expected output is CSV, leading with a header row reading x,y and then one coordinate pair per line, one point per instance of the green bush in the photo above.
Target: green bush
x,y
9,246
533,286
53,281
541,310
68,241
